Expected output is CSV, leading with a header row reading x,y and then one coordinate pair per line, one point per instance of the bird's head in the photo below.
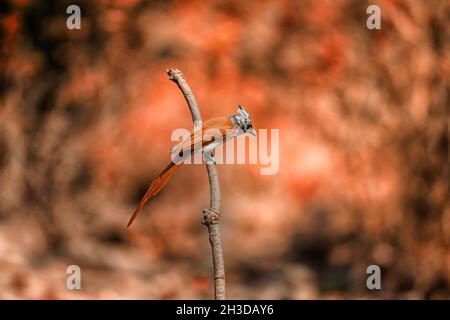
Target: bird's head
x,y
243,120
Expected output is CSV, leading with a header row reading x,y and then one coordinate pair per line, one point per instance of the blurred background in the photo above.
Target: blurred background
x,y
85,123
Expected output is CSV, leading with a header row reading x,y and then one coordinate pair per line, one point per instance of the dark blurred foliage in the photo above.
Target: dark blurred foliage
x,y
85,123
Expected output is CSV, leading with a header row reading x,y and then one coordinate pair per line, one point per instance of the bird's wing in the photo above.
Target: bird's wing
x,y
211,130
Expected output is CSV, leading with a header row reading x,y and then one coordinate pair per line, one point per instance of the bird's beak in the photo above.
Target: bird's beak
x,y
252,132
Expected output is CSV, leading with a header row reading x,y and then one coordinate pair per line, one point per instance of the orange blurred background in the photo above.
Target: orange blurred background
x,y
85,123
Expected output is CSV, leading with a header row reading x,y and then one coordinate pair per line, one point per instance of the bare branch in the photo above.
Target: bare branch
x,y
211,216
176,76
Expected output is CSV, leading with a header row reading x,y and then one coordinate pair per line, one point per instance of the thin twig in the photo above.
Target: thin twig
x,y
211,216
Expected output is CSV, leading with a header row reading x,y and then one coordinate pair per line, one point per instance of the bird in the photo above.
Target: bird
x,y
205,138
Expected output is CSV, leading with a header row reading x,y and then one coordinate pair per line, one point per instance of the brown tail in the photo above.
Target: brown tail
x,y
157,184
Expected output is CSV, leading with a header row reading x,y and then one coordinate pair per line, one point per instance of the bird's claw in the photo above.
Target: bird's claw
x,y
209,158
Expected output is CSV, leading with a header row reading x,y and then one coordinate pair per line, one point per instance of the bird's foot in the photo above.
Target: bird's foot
x,y
209,158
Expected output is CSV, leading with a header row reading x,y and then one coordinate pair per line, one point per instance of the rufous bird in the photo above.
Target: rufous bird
x,y
214,132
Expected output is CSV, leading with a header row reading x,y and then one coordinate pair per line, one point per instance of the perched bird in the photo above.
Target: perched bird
x,y
205,139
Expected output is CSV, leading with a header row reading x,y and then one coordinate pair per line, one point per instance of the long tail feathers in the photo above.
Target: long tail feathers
x,y
157,184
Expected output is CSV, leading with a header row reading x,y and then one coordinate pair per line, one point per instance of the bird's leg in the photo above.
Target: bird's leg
x,y
209,158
